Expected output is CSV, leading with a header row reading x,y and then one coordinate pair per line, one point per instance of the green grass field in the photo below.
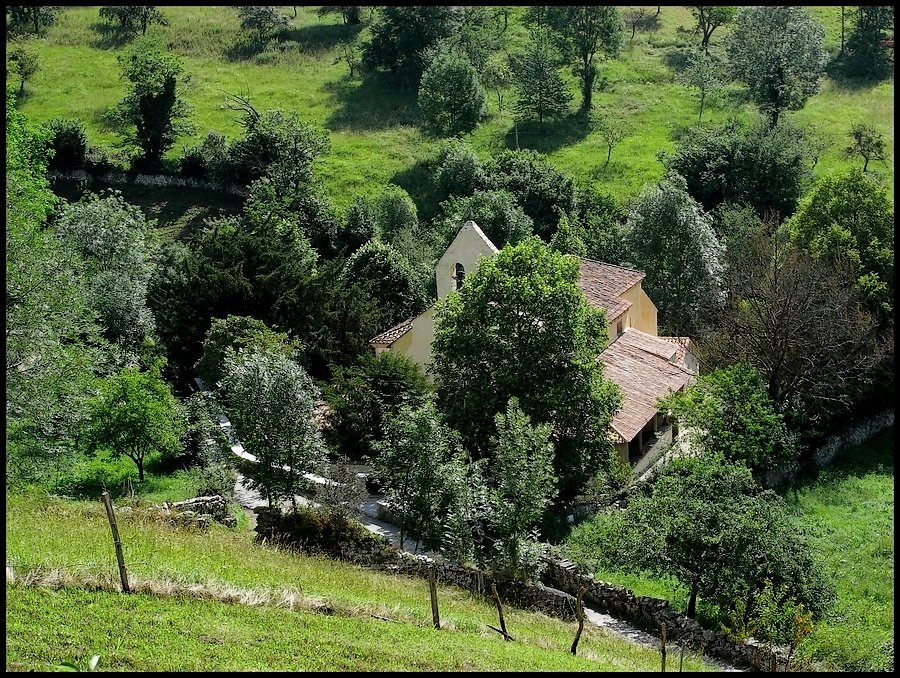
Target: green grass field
x,y
144,632
373,125
848,513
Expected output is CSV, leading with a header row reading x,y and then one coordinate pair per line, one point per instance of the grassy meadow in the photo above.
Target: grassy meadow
x,y
848,514
373,127
378,621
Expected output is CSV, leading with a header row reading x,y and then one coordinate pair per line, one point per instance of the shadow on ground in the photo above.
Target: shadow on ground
x,y
555,134
375,103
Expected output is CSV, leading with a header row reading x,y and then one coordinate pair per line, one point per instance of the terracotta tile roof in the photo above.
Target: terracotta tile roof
x,y
388,337
641,365
603,284
683,346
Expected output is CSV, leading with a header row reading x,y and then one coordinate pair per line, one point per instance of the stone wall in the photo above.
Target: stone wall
x,y
119,178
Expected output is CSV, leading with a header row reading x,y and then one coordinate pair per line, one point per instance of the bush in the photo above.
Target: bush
x,y
458,172
314,530
69,144
214,479
91,476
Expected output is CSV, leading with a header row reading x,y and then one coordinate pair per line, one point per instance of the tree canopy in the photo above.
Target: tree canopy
x,y
540,89
451,97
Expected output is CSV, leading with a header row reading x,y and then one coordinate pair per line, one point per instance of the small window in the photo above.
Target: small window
x,y
459,275
619,329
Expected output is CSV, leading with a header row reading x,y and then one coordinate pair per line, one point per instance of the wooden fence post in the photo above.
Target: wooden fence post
x,y
663,646
681,660
502,628
123,573
432,585
579,610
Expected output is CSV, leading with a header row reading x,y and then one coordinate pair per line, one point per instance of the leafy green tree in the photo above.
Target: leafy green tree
x,y
734,418
478,36
350,14
521,327
68,141
360,225
703,74
31,18
710,526
272,406
363,396
236,332
204,443
867,142
401,35
24,62
583,32
849,216
672,239
612,129
567,239
522,485
778,53
410,461
497,76
395,212
457,170
541,190
495,212
710,18
135,415
866,56
540,90
394,283
755,165
598,220
117,245
265,20
132,18
451,98
153,105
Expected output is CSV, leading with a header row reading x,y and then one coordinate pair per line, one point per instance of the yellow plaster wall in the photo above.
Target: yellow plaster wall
x,y
641,315
416,344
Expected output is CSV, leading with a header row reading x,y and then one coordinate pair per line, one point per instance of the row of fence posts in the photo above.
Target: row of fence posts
x,y
432,587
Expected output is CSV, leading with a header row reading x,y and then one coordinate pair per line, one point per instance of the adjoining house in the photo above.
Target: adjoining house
x,y
645,366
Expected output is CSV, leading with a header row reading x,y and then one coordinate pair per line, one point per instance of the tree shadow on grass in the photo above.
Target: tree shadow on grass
x,y
320,37
376,103
244,48
109,36
556,134
418,181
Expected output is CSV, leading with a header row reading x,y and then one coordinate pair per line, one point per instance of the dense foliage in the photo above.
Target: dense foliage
x,y
451,97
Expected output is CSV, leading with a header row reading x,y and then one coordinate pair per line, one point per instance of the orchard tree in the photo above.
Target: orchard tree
x,y
497,76
522,327
866,56
153,105
867,142
778,53
709,18
451,98
849,216
672,239
265,20
271,404
495,212
612,129
568,239
24,62
703,74
132,18
395,212
351,14
31,18
457,170
522,484
734,418
582,33
540,90
135,415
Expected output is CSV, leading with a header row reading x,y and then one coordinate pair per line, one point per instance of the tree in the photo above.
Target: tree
x,y
351,14
264,19
541,190
777,52
402,34
709,19
702,74
134,17
495,212
393,282
612,129
497,76
451,98
135,415
360,225
709,525
395,212
458,170
237,332
734,418
849,217
32,18
363,396
521,327
522,485
798,320
670,237
271,404
599,220
415,449
740,163
540,89
567,239
866,56
581,32
153,103
24,62
68,142
867,142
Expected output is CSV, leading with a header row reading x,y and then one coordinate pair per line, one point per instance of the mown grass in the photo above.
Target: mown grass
x,y
848,513
44,627
373,123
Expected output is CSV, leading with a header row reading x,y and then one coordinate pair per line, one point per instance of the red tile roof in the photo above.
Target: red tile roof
x,y
642,365
388,337
683,344
603,284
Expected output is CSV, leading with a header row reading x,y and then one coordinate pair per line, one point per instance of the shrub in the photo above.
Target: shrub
x,y
458,171
451,99
214,479
68,143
